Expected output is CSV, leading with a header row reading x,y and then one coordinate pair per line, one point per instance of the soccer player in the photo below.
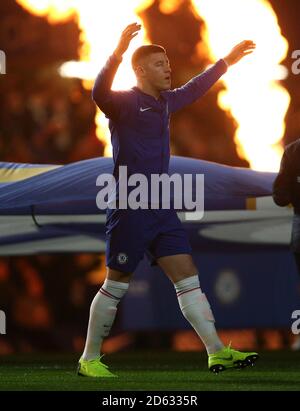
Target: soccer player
x,y
139,126
286,190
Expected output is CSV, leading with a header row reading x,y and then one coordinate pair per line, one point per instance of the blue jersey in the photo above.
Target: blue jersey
x,y
139,123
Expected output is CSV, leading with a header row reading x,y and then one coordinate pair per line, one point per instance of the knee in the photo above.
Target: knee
x,y
116,275
182,276
187,271
190,270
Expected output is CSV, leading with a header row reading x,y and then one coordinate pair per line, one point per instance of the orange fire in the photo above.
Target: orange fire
x,y
100,27
253,95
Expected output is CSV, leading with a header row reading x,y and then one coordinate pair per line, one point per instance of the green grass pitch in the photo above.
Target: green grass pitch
x,y
151,371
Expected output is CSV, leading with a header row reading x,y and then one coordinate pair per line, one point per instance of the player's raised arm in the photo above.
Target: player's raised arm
x,y
102,93
200,84
127,35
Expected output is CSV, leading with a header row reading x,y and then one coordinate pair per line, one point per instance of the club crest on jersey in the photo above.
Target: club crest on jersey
x,y
122,258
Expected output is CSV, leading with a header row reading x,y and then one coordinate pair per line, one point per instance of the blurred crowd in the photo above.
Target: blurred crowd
x,y
50,123
46,300
47,119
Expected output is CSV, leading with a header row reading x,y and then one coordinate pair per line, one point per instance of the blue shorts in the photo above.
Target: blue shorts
x,y
132,233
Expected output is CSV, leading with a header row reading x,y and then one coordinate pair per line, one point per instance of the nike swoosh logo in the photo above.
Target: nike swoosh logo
x,y
145,109
226,358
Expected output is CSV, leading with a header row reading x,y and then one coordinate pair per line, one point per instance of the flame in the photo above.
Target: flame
x,y
101,26
56,11
253,96
170,6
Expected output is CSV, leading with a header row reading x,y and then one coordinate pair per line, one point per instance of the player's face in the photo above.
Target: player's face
x,y
157,71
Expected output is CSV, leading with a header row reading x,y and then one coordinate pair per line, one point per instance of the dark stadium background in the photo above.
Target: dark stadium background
x,y
48,119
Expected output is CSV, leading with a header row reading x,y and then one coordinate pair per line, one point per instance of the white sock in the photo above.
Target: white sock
x,y
196,310
102,314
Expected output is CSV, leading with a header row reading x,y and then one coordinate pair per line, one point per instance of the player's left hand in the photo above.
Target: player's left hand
x,y
239,51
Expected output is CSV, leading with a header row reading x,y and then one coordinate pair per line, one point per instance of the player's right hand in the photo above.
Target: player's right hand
x,y
127,35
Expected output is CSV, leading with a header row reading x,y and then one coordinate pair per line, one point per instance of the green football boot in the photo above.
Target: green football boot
x,y
93,368
230,358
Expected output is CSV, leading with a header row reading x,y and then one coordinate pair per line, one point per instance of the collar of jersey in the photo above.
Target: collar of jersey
x,y
148,96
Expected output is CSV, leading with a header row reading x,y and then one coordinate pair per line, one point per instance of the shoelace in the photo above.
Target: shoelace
x,y
104,365
96,360
230,349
